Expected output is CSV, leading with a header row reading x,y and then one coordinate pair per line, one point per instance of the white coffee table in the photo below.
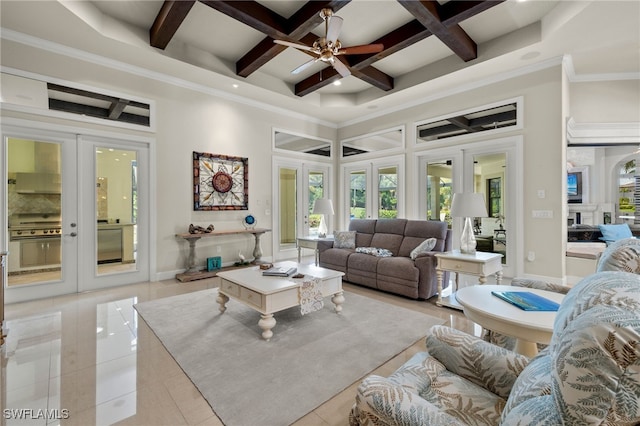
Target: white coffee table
x,y
528,327
269,295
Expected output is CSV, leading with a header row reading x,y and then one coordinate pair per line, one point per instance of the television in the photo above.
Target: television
x,y
575,187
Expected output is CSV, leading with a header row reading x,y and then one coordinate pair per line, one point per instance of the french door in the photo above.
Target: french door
x,y
297,187
373,189
56,212
492,168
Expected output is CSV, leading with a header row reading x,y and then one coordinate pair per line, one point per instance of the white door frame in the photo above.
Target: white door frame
x,y
87,225
371,167
29,129
68,282
462,180
302,169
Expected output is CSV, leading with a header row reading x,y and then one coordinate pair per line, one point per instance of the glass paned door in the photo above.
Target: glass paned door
x,y
316,190
287,205
41,215
489,179
388,192
298,187
439,190
115,240
358,183
116,209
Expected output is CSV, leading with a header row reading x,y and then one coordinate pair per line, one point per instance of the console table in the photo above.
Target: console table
x,y
193,271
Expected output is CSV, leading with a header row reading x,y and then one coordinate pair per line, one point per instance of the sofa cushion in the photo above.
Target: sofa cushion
x,y
416,231
623,255
344,239
335,259
592,365
424,247
361,269
365,228
390,242
615,232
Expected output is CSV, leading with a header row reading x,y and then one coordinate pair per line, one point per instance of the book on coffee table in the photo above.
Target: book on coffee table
x,y
279,271
527,301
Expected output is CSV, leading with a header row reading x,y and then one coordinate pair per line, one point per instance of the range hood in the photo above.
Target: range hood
x,y
38,183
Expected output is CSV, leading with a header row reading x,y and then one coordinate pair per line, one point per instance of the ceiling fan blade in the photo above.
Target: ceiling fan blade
x,y
361,50
342,69
333,31
304,66
296,45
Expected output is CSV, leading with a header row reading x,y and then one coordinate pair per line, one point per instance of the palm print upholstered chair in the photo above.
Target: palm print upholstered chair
x,y
622,255
588,375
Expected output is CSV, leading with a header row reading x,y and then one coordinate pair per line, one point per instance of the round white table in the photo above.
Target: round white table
x,y
493,313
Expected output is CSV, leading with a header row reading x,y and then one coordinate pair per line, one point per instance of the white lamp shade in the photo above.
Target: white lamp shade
x,y
323,206
468,204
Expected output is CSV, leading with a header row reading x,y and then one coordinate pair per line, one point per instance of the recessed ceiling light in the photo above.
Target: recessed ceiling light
x,y
337,83
235,86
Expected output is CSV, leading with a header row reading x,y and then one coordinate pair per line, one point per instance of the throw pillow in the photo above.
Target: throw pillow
x,y
374,251
611,233
344,239
424,247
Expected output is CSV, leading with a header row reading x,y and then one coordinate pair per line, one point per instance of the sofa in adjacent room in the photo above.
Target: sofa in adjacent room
x,y
393,255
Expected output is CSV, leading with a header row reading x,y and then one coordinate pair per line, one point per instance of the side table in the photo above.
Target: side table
x,y
311,243
479,263
528,327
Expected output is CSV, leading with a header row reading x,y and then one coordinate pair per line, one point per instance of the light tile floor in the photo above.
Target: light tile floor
x,y
90,358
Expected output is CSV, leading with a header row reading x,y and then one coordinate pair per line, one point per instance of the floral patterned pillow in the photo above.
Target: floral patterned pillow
x,y
374,251
344,239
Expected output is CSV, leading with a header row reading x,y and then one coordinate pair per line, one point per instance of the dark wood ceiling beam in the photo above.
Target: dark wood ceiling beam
x,y
92,95
456,39
254,15
93,111
300,24
454,12
374,77
393,42
168,21
263,52
116,108
462,122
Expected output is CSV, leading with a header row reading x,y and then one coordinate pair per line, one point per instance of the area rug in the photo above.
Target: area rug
x,y
249,381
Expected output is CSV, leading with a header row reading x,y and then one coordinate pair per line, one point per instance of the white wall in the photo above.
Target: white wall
x,y
187,121
606,101
544,148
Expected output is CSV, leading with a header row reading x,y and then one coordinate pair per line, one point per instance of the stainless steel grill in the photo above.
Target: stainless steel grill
x,y
29,227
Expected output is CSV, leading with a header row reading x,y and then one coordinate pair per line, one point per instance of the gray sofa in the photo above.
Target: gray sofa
x,y
397,274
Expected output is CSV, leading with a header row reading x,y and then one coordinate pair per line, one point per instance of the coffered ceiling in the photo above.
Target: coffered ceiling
x,y
429,47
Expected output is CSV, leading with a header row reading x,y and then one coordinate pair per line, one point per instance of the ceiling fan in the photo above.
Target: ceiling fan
x,y
326,48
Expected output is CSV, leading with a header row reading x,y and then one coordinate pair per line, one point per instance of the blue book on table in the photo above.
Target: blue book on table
x,y
527,301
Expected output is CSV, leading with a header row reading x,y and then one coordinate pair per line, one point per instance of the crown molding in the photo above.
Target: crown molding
x,y
28,40
566,61
602,134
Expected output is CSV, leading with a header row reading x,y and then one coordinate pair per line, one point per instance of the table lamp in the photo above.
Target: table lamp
x,y
322,207
468,205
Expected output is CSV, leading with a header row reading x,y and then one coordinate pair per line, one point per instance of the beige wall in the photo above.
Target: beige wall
x,y
189,120
606,102
544,148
